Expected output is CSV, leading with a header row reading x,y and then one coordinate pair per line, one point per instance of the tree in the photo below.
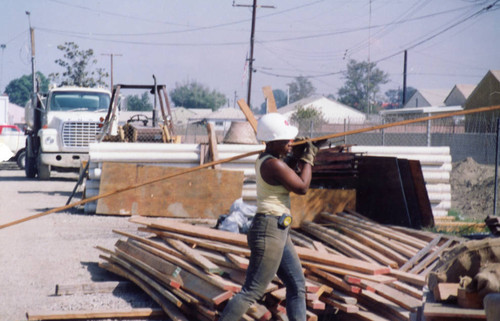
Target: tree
x,y
77,64
362,85
301,88
20,90
307,118
395,97
134,102
195,95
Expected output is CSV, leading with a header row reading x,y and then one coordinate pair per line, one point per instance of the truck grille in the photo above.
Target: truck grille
x,y
79,134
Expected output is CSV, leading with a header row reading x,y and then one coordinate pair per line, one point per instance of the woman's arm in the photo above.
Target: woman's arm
x,y
277,172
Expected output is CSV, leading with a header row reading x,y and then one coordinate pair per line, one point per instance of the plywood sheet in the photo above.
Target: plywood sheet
x,y
306,207
206,193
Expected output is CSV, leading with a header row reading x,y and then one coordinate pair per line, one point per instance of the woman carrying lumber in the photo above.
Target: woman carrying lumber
x,y
272,252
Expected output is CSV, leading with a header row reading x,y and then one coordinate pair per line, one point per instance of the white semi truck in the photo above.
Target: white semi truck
x,y
61,127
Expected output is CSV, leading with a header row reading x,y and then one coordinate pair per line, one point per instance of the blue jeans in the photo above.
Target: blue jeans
x,y
272,253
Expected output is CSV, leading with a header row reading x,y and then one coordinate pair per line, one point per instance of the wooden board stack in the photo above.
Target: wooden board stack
x,y
354,267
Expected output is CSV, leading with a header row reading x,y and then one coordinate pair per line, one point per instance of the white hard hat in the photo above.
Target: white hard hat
x,y
274,126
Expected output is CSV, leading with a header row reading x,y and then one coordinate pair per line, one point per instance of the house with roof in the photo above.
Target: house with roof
x,y
333,111
427,98
486,93
459,94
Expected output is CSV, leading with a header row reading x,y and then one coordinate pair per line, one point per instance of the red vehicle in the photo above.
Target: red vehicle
x,y
15,139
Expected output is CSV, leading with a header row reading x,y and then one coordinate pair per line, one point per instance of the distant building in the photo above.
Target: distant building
x,y
427,98
458,95
333,111
221,118
486,93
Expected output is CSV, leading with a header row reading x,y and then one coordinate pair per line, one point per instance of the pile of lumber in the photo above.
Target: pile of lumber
x,y
353,266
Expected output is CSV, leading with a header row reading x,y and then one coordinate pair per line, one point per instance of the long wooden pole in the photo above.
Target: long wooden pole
x,y
230,159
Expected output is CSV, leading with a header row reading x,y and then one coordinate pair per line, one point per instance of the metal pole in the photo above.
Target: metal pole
x,y
429,131
404,79
33,75
250,64
496,170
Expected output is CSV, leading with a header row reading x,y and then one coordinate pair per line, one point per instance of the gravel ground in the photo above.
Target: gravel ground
x,y
58,248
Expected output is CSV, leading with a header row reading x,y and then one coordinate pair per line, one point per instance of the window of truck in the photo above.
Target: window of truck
x,y
78,101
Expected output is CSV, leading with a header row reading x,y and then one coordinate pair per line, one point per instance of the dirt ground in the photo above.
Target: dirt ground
x,y
59,249
472,189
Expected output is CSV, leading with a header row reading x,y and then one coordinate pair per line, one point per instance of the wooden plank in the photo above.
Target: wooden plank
x,y
171,255
270,102
380,187
420,254
406,301
241,240
348,244
382,306
195,257
320,247
307,207
99,314
204,194
348,308
387,231
424,204
151,287
410,278
345,226
408,289
435,310
469,300
95,287
431,257
315,304
445,291
218,258
191,283
212,145
248,114
336,281
239,261
344,298
336,240
200,242
166,273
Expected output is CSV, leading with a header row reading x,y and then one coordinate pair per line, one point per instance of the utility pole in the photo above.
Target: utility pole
x,y
111,74
33,75
3,46
252,34
404,78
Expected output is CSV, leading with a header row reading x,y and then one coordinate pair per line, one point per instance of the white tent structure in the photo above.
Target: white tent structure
x,y
333,111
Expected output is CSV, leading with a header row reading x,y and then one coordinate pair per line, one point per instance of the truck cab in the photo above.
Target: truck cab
x,y
68,120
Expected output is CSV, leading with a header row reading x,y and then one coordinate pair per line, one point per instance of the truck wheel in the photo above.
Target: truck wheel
x,y
43,170
30,167
21,159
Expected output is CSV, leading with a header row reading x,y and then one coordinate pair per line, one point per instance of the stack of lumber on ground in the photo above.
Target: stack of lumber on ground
x,y
353,266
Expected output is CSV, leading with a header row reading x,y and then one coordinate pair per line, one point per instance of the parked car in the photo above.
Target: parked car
x,y
15,139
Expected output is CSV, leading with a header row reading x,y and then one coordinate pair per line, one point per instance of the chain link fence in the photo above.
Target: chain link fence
x,y
466,136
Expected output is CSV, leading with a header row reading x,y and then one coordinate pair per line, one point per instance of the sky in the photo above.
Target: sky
x,y
448,42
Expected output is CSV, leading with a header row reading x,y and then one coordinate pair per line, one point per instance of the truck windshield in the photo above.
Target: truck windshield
x,y
79,101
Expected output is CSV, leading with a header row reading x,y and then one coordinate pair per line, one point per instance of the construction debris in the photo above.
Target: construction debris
x,y
191,271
